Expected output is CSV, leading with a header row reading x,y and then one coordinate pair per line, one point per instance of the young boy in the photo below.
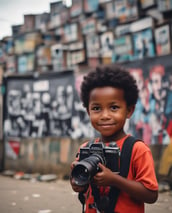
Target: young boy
x,y
109,95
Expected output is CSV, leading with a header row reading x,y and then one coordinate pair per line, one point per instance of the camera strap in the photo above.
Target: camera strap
x,y
124,169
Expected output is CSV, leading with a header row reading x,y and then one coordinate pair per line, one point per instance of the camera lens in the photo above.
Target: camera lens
x,y
86,169
80,174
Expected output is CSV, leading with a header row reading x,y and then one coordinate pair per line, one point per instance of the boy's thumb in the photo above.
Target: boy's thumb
x,y
101,166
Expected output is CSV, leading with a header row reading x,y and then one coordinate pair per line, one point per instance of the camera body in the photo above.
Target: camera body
x,y
90,157
109,154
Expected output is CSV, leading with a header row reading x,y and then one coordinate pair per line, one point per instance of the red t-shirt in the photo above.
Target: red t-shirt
x,y
141,170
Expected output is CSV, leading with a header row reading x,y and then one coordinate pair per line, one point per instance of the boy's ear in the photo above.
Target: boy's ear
x,y
130,111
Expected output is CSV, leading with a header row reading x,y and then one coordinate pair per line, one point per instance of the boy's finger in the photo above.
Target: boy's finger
x,y
101,166
73,164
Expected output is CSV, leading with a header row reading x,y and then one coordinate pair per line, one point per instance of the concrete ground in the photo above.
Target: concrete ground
x,y
25,196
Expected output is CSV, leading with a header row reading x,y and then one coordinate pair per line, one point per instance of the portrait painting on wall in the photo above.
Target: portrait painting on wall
x,y
143,44
162,40
126,10
123,49
107,43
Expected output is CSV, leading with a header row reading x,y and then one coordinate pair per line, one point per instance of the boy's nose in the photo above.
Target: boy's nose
x,y
105,114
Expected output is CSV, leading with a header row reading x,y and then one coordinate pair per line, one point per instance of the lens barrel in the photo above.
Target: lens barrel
x,y
85,170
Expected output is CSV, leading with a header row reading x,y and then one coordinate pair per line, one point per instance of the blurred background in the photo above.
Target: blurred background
x,y
46,47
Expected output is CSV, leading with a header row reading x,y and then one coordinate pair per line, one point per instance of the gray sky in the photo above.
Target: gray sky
x,y
12,11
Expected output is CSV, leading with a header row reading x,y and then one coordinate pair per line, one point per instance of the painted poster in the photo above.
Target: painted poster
x,y
93,46
70,32
43,54
41,21
164,5
147,3
55,17
12,149
126,10
64,15
75,57
88,26
143,44
162,40
26,43
90,6
77,8
122,30
55,21
133,27
11,64
8,45
110,10
26,63
123,49
107,43
44,106
58,57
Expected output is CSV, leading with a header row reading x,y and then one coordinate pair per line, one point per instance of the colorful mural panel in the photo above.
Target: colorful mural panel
x,y
143,44
152,119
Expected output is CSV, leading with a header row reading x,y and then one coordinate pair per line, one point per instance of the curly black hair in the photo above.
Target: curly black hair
x,y
113,75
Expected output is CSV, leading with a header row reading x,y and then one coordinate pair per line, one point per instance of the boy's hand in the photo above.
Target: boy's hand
x,y
75,187
73,164
104,177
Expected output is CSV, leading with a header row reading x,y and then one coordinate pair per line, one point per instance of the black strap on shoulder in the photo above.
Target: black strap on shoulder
x,y
126,155
124,169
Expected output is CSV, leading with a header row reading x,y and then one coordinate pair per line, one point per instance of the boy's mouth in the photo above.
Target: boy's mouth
x,y
106,124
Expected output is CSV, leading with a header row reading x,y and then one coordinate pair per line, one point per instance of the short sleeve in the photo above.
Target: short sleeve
x,y
143,166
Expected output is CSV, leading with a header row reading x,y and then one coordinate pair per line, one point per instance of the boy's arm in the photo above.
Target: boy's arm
x,y
141,183
135,189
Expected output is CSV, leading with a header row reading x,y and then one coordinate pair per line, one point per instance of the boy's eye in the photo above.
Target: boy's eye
x,y
114,107
96,108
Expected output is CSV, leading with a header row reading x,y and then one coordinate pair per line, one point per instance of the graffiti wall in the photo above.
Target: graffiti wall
x,y
46,105
43,110
152,120
49,105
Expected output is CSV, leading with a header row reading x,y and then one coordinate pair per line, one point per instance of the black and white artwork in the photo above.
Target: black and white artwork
x,y
45,106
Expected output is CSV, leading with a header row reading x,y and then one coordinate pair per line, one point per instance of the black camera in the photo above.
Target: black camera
x,y
90,157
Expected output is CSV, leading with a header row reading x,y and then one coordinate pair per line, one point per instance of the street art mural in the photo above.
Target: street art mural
x,y
47,105
152,120
44,117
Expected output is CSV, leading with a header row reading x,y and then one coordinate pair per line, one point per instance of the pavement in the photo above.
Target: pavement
x,y
32,196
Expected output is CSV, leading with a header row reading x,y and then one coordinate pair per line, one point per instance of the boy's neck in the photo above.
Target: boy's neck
x,y
114,137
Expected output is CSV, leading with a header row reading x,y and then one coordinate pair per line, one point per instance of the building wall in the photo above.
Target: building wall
x,y
136,34
48,155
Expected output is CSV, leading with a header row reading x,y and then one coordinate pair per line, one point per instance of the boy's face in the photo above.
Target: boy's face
x,y
108,111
